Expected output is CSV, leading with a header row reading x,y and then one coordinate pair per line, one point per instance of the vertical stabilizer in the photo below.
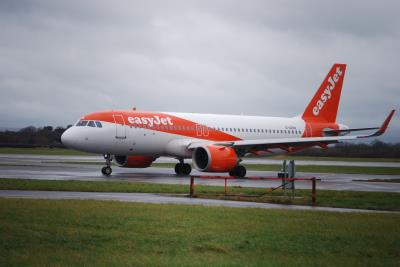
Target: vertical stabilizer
x,y
324,105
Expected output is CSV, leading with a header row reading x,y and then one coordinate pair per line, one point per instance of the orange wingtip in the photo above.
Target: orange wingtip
x,y
385,124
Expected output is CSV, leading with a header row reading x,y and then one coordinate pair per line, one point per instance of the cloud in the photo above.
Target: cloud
x,y
61,60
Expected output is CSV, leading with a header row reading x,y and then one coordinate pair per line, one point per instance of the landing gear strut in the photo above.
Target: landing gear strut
x,y
238,171
182,168
106,170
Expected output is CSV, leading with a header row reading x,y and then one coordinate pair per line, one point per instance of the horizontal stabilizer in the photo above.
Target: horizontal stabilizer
x,y
346,131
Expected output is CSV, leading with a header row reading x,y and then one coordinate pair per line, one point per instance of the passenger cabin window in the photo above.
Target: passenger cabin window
x,y
98,124
81,123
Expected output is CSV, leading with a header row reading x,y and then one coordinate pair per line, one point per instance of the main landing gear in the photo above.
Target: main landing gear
x,y
106,170
183,169
238,171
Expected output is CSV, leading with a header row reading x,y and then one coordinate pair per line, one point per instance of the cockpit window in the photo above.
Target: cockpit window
x,y
99,124
91,124
81,123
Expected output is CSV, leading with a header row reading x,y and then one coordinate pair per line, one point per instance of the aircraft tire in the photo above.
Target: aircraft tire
x,y
239,171
187,169
106,171
183,169
179,169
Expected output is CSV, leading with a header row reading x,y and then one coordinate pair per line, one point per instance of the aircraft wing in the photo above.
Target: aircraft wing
x,y
292,144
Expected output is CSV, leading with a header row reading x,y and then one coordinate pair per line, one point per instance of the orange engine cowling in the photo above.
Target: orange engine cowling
x,y
214,158
134,161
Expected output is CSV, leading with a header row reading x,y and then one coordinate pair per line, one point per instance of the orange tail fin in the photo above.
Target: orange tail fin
x,y
324,105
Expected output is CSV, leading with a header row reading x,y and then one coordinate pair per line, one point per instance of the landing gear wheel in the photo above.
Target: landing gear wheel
x,y
183,169
187,169
106,170
241,171
238,171
178,168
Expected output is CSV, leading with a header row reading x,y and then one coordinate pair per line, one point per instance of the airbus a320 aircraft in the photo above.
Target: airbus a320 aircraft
x,y
216,143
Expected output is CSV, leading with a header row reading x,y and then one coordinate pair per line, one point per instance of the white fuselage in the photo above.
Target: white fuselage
x,y
130,139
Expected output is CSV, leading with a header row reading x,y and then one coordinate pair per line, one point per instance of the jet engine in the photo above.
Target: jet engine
x,y
134,161
214,158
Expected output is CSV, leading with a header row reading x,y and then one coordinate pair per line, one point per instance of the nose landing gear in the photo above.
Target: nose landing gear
x,y
107,169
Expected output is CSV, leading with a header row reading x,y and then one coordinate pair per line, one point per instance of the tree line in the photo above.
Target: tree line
x,y
33,137
376,149
51,137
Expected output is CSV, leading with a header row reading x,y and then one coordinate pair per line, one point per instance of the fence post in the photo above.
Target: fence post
x,y
191,186
225,186
313,192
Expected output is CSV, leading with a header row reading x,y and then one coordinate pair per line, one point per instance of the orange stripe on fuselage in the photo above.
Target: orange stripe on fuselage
x,y
163,123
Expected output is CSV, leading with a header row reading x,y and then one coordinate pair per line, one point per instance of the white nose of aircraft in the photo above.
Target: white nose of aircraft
x,y
68,138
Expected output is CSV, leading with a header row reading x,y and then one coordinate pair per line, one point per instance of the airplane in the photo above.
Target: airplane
x,y
215,143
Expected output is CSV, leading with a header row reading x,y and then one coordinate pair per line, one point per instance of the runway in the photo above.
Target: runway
x,y
166,199
66,168
56,158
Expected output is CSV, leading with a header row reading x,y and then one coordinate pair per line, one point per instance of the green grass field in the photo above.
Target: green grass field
x,y
325,198
105,233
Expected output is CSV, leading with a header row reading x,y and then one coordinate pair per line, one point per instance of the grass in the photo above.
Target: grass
x,y
106,233
313,168
71,152
325,198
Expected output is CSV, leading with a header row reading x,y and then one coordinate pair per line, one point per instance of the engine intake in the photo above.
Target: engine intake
x,y
214,158
134,161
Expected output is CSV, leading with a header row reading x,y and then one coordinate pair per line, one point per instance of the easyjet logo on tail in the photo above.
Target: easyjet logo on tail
x,y
327,93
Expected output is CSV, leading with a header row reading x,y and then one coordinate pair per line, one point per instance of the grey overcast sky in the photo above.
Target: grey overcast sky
x,y
62,59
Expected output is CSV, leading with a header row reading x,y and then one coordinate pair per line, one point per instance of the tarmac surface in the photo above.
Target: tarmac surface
x,y
165,199
56,159
74,168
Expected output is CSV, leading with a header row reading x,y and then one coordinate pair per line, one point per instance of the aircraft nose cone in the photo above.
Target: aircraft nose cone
x,y
67,138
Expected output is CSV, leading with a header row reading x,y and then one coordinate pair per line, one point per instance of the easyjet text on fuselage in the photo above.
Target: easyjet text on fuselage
x,y
154,120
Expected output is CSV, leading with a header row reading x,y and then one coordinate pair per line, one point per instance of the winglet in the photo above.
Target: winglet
x,y
384,125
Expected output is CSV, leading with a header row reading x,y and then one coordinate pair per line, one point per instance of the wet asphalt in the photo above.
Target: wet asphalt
x,y
73,168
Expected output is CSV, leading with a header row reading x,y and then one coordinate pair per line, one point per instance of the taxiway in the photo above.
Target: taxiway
x,y
74,168
165,199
